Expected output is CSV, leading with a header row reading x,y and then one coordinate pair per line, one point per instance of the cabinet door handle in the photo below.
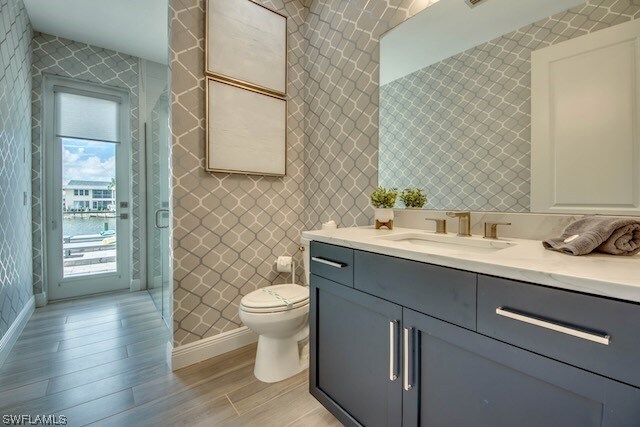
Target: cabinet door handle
x,y
537,321
393,346
406,383
328,262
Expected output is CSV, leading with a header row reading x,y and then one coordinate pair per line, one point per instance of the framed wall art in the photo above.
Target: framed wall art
x,y
246,130
246,43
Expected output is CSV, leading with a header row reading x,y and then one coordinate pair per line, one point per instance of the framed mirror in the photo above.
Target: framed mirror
x,y
455,106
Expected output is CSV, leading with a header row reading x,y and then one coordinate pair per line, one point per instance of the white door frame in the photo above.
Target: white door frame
x,y
52,216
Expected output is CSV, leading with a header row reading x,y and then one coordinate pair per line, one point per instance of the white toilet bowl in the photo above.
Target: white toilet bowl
x,y
280,316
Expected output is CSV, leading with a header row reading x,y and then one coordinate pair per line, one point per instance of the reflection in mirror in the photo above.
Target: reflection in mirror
x,y
455,96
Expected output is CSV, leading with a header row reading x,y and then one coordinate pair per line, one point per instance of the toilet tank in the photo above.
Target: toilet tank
x,y
306,258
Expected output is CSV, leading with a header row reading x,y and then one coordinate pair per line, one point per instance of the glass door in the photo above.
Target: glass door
x,y
158,209
87,175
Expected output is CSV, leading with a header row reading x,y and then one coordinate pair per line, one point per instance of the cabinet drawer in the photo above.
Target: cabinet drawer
x,y
441,292
597,334
332,262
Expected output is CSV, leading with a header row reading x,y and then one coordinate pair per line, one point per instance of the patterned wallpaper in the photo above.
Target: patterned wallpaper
x,y
227,229
341,120
461,128
62,57
15,147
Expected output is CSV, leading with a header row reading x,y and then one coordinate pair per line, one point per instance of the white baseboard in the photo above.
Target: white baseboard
x,y
41,299
136,285
207,348
14,331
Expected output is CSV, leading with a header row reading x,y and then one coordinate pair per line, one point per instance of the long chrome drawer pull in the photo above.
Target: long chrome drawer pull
x,y
393,374
590,336
407,357
329,263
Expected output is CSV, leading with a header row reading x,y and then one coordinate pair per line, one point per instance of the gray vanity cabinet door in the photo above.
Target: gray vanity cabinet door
x,y
461,378
352,341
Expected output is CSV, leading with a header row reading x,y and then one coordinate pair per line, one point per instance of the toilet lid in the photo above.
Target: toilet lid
x,y
276,298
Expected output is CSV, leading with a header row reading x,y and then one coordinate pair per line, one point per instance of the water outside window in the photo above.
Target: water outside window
x,y
88,207
87,148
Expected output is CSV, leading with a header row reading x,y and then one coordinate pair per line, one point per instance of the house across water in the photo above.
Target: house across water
x,y
80,195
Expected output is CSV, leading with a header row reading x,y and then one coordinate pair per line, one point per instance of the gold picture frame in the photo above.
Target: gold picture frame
x,y
237,60
238,141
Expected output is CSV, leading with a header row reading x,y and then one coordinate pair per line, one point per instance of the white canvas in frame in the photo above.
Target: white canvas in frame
x,y
246,130
247,43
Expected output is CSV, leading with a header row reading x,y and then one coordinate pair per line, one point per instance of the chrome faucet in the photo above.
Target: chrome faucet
x,y
464,222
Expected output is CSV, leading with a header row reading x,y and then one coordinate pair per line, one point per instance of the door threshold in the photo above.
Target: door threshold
x,y
98,294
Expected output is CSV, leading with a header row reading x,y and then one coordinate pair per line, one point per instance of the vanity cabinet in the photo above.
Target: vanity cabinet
x,y
355,340
393,346
461,378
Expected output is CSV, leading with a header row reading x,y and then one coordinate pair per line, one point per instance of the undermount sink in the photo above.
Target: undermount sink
x,y
445,241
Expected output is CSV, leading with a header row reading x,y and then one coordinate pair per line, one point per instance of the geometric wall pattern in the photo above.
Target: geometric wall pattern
x,y
227,229
341,120
63,57
461,128
15,161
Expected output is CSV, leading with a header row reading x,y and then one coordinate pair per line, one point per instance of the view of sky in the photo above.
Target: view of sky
x,y
88,160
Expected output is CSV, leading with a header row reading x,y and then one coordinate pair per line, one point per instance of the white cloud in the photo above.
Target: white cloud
x,y
77,165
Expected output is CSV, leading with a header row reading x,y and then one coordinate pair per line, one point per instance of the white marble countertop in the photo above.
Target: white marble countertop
x,y
527,261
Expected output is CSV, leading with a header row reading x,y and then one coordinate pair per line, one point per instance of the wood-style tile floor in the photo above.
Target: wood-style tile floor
x,y
102,361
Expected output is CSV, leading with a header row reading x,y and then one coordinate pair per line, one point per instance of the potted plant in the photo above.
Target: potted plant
x,y
413,198
383,200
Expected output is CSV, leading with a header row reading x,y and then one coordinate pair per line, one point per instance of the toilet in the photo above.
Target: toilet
x,y
279,314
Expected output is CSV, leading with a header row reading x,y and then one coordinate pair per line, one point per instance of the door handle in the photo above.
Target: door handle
x,y
158,212
408,360
393,346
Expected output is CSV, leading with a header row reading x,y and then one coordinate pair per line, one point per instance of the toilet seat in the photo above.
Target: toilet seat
x,y
274,299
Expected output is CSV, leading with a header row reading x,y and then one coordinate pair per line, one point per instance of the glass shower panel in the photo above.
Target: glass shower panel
x,y
158,209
